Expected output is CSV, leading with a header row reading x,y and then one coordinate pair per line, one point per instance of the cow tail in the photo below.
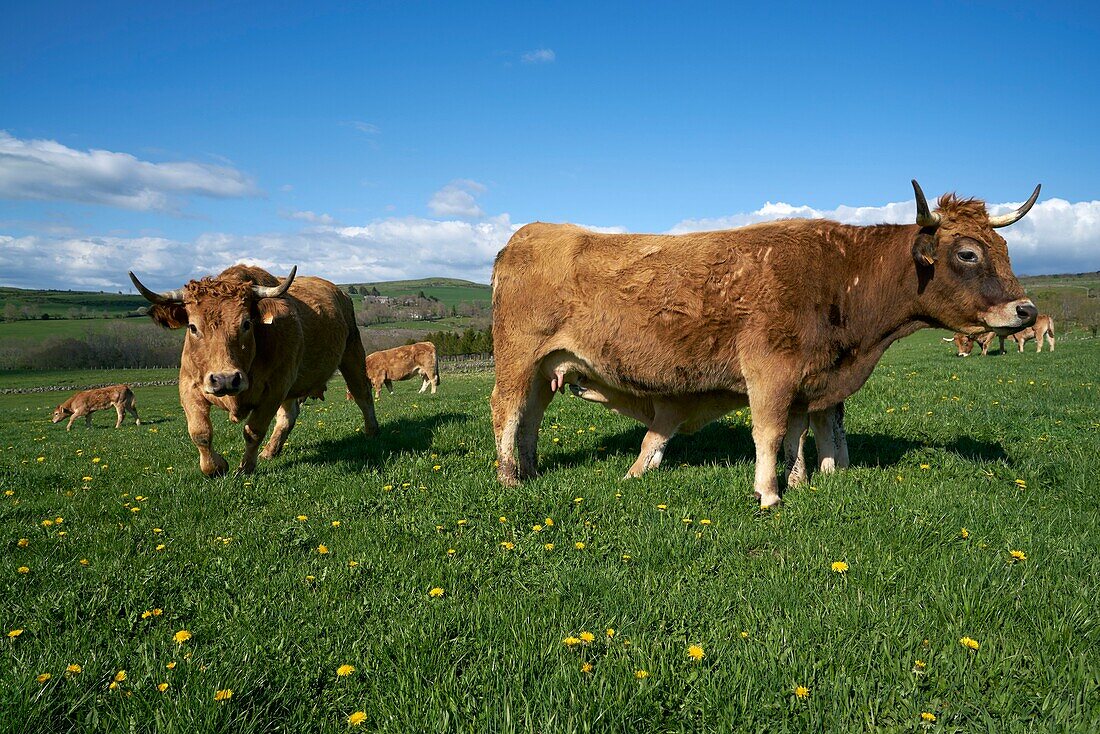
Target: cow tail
x,y
436,355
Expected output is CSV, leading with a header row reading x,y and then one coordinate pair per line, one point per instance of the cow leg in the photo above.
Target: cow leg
x,y
1050,339
389,385
1038,343
211,462
667,419
119,410
88,419
69,425
1002,344
508,403
527,436
353,368
1020,344
424,384
133,409
284,424
770,408
255,428
794,447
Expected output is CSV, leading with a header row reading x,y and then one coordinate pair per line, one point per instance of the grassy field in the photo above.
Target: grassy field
x,y
450,291
328,556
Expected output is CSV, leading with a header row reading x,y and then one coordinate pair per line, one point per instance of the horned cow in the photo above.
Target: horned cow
x,y
254,346
794,315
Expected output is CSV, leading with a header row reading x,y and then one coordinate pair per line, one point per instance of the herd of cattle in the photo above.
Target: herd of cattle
x,y
787,317
1043,327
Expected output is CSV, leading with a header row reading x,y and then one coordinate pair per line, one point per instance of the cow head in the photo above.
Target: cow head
x,y
59,413
221,315
964,345
966,280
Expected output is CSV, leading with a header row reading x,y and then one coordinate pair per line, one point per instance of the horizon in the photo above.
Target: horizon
x,y
375,143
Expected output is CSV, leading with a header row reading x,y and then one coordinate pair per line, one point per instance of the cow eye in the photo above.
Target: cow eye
x,y
246,325
967,256
193,329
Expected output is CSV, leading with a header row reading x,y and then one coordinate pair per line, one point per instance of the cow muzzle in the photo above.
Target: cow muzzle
x,y
1010,317
225,383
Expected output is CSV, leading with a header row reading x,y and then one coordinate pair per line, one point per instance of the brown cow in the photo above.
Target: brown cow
x,y
254,346
86,402
792,314
402,363
964,345
1044,327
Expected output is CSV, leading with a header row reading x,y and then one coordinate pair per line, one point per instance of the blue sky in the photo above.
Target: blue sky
x,y
380,140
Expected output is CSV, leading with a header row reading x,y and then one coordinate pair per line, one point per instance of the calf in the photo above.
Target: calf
x,y
1044,327
86,402
964,344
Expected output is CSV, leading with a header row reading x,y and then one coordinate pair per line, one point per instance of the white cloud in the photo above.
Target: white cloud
x,y
311,217
458,199
46,169
1056,236
539,56
364,127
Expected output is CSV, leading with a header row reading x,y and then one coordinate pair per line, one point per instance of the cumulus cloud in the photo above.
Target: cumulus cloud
x,y
539,56
311,217
458,199
46,169
1055,237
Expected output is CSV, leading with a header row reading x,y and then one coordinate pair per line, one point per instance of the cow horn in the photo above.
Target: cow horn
x,y
175,296
263,291
925,217
1006,219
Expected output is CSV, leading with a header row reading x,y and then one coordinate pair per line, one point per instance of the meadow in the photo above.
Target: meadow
x,y
947,581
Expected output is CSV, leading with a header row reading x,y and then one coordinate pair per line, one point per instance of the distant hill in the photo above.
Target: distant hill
x,y
449,291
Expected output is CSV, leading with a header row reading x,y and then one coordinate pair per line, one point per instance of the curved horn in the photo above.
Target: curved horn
x,y
175,296
263,291
1006,219
925,217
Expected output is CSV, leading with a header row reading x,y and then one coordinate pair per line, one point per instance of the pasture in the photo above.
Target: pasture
x,y
577,602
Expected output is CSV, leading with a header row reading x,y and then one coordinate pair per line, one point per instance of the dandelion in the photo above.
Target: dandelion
x,y
357,718
610,632
964,533
335,523
73,669
571,641
345,670
310,578
704,521
1021,484
840,567
695,652
353,564
586,667
322,549
451,551
47,523
502,519
462,523
536,528
43,677
181,637
23,569
548,522
919,666
925,466
162,687
23,543
161,546
171,665
687,521
549,546
1017,555
662,508
969,643
587,637
928,717
435,592
302,518
146,614
119,676
744,635
507,545
627,557
223,695
802,691
578,500
437,467
641,674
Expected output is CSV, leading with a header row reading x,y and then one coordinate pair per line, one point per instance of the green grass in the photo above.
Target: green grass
x,y
450,291
753,588
25,331
58,303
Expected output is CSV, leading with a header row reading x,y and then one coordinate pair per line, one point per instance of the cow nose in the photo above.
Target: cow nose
x,y
1027,311
225,382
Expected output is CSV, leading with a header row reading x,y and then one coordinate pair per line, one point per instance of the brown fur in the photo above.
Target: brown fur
x,y
281,349
1044,327
84,403
402,363
792,314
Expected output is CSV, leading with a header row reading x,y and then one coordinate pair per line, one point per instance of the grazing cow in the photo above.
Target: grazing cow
x,y
254,347
1044,327
964,345
86,402
793,315
401,363
667,416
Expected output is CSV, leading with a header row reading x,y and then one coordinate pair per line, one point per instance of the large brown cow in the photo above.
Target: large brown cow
x,y
86,402
792,314
402,363
1044,327
254,346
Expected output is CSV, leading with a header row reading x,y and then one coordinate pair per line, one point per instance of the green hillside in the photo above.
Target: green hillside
x,y
450,291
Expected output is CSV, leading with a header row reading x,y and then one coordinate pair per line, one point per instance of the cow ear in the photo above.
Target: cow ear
x,y
924,249
168,315
270,309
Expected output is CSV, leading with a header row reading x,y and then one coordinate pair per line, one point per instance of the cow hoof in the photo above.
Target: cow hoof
x,y
216,468
766,501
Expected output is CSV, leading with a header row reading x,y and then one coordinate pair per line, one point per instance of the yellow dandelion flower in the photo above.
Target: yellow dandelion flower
x,y
302,518
43,677
181,637
586,667
23,569
536,528
451,551
1018,555
96,460
925,466
335,523
437,467
47,523
705,521
802,691
969,643
322,549
310,578
964,533
345,670
73,669
1021,484
462,523
120,676
146,614
161,546
223,695
571,641
507,545
744,635
548,522
502,519
435,592
662,508
695,652
610,632
587,637
928,717
357,718
641,674
23,543
162,687
627,556
549,546
353,564
171,665
578,500
840,567
113,686
578,545
157,612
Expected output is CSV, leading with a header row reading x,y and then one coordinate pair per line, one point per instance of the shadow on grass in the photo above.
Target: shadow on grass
x,y
395,438
719,444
